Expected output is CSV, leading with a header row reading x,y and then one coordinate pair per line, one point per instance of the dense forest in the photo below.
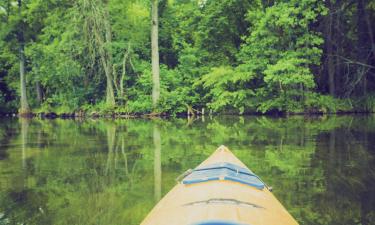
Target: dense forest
x,y
178,56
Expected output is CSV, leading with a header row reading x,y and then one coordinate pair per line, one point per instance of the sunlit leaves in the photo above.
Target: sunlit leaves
x,y
283,49
223,84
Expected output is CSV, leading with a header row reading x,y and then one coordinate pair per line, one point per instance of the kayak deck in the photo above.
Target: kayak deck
x,y
215,200
224,171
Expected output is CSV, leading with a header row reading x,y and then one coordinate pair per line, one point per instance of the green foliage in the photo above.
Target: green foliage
x,y
139,95
55,61
277,58
232,56
281,51
323,103
227,89
142,104
370,103
220,29
177,90
362,104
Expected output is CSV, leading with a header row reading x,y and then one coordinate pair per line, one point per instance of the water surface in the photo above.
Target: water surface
x,y
114,172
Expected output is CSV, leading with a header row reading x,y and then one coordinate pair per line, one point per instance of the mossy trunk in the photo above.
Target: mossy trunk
x,y
155,55
24,105
107,56
329,49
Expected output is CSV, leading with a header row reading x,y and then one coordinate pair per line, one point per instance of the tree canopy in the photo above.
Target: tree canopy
x,y
230,56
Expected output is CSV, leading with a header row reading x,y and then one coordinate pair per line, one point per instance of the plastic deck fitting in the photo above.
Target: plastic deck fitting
x,y
224,171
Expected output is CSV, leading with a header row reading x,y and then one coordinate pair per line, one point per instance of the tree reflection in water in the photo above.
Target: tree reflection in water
x,y
110,172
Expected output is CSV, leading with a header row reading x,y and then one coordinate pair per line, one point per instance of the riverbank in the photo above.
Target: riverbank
x,y
117,115
314,105
330,106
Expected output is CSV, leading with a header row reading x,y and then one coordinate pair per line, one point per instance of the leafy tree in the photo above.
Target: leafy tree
x,y
220,29
234,56
55,57
282,50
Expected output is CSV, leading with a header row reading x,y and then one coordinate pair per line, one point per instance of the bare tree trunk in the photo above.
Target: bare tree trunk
x,y
8,10
122,79
24,110
329,45
110,96
108,38
331,71
155,54
99,34
370,32
339,46
39,93
107,65
123,75
371,37
362,51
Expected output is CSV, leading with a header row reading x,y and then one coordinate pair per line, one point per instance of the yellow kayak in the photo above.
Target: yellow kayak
x,y
220,191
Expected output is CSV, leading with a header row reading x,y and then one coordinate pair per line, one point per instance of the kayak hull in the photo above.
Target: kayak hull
x,y
224,201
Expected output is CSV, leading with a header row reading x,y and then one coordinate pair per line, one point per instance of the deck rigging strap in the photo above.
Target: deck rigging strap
x,y
224,171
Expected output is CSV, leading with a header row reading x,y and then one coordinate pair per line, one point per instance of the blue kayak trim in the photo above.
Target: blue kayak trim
x,y
218,222
230,166
224,171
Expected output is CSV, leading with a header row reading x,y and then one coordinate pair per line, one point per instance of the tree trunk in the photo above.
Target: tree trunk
x,y
8,10
99,35
122,80
155,54
24,110
123,75
39,93
107,65
339,47
108,39
370,32
329,49
362,47
110,96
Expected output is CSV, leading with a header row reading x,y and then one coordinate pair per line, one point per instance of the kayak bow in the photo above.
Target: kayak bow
x,y
220,191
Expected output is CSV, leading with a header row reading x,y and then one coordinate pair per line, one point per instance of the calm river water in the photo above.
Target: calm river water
x,y
114,171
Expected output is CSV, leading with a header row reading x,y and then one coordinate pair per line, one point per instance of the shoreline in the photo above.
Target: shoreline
x,y
114,115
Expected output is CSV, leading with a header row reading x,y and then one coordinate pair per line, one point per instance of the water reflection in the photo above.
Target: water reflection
x,y
24,127
111,138
113,172
157,163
